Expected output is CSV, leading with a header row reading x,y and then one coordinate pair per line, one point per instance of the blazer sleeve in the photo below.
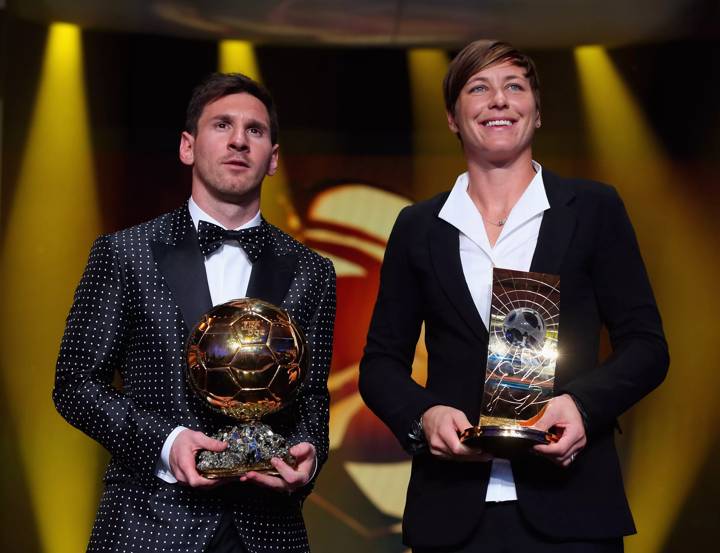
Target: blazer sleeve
x,y
639,359
93,348
313,404
385,383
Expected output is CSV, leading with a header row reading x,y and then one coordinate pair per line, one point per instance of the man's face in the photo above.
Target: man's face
x,y
496,114
231,152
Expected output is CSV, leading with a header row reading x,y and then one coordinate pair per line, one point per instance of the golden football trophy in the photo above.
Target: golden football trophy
x,y
246,359
520,370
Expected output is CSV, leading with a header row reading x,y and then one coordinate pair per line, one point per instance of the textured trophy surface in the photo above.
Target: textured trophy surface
x,y
520,370
246,359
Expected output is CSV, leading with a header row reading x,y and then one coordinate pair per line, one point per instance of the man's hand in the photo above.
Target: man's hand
x,y
182,457
290,478
441,425
563,414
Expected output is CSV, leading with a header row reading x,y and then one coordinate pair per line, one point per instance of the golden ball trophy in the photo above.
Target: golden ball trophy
x,y
246,359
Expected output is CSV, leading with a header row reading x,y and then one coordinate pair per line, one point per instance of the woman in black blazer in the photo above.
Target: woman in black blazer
x,y
508,211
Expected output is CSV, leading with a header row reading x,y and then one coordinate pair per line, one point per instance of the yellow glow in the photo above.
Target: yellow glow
x,y
51,223
384,484
332,237
360,207
238,56
438,158
674,427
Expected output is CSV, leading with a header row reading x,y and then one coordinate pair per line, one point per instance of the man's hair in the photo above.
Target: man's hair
x,y
219,85
478,55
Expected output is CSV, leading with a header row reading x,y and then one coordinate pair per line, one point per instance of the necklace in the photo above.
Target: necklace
x,y
500,223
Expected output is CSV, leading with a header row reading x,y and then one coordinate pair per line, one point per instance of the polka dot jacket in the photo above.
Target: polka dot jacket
x,y
141,292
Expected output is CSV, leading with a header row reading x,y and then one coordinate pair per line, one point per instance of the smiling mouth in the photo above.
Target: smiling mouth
x,y
498,123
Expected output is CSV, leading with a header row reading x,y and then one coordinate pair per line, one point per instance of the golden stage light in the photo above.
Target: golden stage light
x,y
437,158
51,224
238,56
673,429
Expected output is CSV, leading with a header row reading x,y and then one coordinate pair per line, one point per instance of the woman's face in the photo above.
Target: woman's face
x,y
496,114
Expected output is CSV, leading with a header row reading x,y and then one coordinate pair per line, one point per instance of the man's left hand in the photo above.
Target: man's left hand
x,y
290,478
562,414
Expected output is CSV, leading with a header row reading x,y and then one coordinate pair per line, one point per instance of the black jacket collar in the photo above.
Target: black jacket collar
x,y
182,265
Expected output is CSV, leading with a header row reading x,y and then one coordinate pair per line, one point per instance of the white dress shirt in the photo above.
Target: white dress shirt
x,y
514,249
228,273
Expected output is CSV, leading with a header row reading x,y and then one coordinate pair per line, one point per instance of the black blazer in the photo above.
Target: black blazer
x,y
587,238
142,290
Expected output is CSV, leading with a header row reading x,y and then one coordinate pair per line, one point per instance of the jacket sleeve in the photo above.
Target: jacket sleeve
x,y
93,348
639,359
386,384
313,404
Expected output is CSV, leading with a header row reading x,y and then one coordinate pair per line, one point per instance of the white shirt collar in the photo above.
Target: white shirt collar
x,y
460,211
197,214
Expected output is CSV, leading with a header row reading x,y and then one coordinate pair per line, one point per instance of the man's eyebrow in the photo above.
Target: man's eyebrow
x,y
252,122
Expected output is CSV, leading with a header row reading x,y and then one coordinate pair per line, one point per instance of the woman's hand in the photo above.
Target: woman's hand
x,y
442,426
562,414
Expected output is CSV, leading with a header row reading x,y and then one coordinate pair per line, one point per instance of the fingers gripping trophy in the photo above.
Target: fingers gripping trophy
x,y
246,359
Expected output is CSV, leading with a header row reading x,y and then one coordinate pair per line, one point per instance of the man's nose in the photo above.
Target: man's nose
x,y
238,140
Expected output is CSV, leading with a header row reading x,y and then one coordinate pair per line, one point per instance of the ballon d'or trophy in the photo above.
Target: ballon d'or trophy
x,y
246,359
520,370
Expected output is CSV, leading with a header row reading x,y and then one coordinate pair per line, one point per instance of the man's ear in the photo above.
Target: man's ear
x,y
187,144
273,164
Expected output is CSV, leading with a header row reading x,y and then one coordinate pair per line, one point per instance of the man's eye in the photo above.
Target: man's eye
x,y
255,131
515,87
221,125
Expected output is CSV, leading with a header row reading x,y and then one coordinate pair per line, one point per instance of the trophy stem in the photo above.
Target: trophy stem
x,y
250,448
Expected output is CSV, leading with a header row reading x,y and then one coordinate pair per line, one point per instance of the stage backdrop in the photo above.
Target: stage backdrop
x,y
90,137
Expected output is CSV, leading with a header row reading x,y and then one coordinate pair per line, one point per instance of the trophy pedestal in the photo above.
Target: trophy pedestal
x,y
250,448
505,441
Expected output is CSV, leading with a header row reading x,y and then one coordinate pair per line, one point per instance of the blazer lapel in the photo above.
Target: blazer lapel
x,y
272,275
444,246
182,266
557,227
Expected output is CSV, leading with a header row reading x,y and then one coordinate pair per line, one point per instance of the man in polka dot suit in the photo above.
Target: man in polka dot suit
x,y
142,290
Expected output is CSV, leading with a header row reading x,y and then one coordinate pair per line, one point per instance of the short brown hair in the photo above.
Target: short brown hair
x,y
478,55
219,85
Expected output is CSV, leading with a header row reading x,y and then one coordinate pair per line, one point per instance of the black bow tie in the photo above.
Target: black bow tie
x,y
252,240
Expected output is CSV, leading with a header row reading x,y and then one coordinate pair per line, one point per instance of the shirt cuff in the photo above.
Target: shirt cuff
x,y
162,468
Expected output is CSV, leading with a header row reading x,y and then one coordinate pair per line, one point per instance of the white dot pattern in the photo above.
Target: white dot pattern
x,y
124,319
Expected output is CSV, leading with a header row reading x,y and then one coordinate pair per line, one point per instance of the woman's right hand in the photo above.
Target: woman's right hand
x,y
442,426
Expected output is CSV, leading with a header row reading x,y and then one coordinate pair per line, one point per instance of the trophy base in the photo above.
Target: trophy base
x,y
505,441
250,448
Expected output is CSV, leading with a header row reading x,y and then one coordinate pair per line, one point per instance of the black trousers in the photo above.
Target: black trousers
x,y
226,538
503,529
